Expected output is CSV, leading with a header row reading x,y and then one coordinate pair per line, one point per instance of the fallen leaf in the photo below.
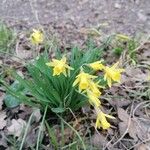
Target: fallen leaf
x,y
25,112
37,114
21,48
123,115
99,140
3,122
3,141
16,127
133,72
136,128
119,102
143,146
31,138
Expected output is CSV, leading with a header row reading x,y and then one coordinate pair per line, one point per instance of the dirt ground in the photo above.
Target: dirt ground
x,y
68,17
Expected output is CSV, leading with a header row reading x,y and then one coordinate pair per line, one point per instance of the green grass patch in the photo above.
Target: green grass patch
x,y
7,38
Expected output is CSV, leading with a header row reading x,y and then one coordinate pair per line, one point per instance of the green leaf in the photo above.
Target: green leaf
x,y
11,101
52,135
58,110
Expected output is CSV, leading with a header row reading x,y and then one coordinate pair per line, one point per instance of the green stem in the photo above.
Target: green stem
x,y
26,131
40,129
62,132
84,147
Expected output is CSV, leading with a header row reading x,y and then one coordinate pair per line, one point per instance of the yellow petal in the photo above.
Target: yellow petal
x,y
50,64
65,73
96,65
76,82
115,65
93,99
94,88
69,67
83,85
97,124
36,37
60,66
105,125
109,116
109,81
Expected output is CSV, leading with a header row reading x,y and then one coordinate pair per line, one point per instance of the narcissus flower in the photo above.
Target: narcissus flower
x,y
96,65
101,120
60,66
83,79
37,37
94,87
112,74
93,99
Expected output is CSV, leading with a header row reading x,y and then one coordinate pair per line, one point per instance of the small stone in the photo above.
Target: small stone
x,y
117,5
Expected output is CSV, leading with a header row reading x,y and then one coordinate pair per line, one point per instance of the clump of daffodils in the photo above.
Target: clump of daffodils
x,y
88,83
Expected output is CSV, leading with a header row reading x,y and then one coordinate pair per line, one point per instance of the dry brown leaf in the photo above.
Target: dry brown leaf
x,y
135,73
143,147
99,140
25,111
137,128
123,115
16,127
22,46
119,102
31,138
3,122
3,141
23,54
37,114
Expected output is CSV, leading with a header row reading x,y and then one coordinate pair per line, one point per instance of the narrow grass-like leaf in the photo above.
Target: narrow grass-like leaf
x,y
52,136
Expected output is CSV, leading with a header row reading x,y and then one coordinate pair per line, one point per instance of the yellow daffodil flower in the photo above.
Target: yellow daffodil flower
x,y
94,87
101,120
60,66
112,74
96,65
93,99
36,37
84,80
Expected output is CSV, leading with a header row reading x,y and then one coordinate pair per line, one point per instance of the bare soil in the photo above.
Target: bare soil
x,y
68,17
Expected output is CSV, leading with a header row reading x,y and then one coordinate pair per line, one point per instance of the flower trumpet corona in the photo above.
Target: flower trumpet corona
x,y
83,79
112,74
60,66
101,120
94,87
96,65
36,37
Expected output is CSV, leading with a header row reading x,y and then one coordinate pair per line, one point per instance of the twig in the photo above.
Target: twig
x,y
139,106
146,140
106,146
